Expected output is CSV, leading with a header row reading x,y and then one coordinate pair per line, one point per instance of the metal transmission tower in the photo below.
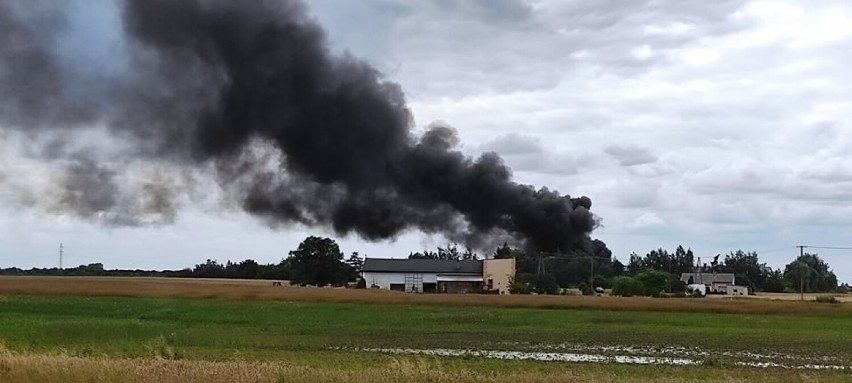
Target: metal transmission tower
x,y
61,251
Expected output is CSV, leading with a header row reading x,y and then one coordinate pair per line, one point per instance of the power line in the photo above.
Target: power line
x,y
828,247
775,250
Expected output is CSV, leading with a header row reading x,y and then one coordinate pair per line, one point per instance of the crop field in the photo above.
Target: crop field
x,y
150,329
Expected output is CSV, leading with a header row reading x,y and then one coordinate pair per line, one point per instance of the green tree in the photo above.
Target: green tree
x,y
774,281
654,282
504,252
209,269
469,255
544,284
449,252
521,284
318,261
585,289
820,278
247,269
355,263
798,275
747,269
626,286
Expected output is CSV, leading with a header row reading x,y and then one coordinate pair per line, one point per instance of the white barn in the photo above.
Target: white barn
x,y
438,276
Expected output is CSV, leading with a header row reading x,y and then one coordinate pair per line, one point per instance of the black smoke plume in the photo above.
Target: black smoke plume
x,y
226,83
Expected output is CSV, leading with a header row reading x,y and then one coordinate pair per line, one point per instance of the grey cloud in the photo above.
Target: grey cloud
x,y
830,185
527,154
637,195
479,51
103,194
746,177
31,76
504,12
514,144
630,155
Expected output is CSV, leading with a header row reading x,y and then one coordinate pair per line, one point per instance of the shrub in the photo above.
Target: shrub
x,y
521,284
626,286
653,282
545,284
585,289
601,281
678,286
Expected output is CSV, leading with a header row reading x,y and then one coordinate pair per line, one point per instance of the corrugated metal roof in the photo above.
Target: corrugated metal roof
x,y
422,266
707,278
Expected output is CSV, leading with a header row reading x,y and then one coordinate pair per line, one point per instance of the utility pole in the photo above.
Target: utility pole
x,y
540,266
801,276
670,272
61,250
592,276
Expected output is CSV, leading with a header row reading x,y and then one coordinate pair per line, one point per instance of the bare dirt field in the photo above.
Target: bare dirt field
x,y
264,290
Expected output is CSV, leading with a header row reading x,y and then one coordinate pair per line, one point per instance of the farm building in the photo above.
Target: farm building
x,y
737,290
715,282
438,275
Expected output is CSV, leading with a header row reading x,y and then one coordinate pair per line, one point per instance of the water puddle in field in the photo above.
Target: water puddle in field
x,y
634,355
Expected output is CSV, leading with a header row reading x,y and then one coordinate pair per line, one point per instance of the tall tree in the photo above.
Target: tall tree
x,y
817,278
318,261
799,275
747,269
209,269
355,263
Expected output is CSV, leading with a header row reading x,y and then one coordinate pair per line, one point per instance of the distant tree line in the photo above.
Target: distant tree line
x,y
588,266
92,269
658,272
319,261
450,252
248,269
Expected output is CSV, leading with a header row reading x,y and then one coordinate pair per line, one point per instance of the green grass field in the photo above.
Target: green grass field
x,y
319,335
115,325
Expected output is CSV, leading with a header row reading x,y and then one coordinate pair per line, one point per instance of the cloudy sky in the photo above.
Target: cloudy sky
x,y
718,125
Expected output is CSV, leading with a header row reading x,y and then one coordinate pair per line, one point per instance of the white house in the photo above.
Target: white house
x,y
439,276
715,282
